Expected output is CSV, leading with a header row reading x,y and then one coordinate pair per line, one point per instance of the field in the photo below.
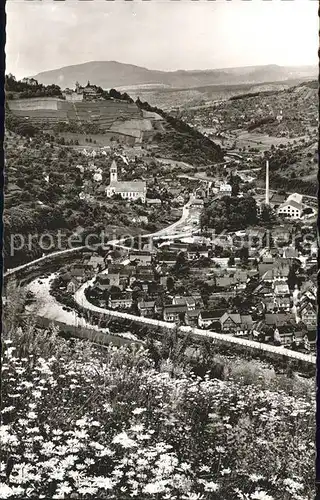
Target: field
x,y
263,142
197,97
110,115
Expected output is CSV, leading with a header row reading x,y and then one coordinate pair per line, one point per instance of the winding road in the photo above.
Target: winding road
x,y
184,225
48,307
195,333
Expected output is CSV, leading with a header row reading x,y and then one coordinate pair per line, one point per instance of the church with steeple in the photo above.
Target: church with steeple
x,y
128,190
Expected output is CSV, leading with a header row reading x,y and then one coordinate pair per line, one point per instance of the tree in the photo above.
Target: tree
x,y
26,129
231,261
170,283
307,211
244,254
293,279
267,215
181,265
115,94
229,214
235,184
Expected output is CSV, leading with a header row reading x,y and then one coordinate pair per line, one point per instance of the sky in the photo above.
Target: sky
x,y
165,35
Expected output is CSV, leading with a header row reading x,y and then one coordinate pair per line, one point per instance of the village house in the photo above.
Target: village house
x,y
73,285
140,219
221,261
143,285
198,299
268,305
30,81
123,301
167,257
180,200
129,190
197,203
142,256
222,240
220,295
88,93
174,313
297,197
311,265
279,319
240,287
175,245
225,189
233,322
224,282
283,335
112,279
164,281
290,253
208,317
308,289
71,95
286,334
101,289
153,201
281,289
256,237
191,317
146,308
275,270
81,272
146,277
155,289
267,257
264,290
240,276
277,199
308,314
188,301
195,251
96,262
123,271
281,234
282,302
290,209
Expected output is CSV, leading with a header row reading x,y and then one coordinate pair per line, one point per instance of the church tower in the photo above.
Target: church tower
x,y
113,172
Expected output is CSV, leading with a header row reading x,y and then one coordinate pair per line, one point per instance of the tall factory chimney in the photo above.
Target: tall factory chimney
x,y
267,183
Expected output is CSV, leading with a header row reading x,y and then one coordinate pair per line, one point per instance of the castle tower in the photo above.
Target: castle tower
x,y
267,183
113,172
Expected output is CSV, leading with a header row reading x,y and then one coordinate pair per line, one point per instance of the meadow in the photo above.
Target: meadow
x,y
80,422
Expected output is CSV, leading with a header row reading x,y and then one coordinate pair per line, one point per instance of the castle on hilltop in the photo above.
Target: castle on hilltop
x,y
87,93
129,190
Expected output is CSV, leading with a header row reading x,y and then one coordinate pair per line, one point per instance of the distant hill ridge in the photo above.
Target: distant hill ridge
x,y
110,74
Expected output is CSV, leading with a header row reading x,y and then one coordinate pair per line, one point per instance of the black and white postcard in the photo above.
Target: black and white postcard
x,y
160,250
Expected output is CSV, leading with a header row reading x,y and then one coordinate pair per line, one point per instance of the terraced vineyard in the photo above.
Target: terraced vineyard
x,y
52,110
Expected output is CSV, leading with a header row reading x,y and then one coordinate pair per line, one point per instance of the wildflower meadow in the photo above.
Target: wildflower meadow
x,y
89,423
